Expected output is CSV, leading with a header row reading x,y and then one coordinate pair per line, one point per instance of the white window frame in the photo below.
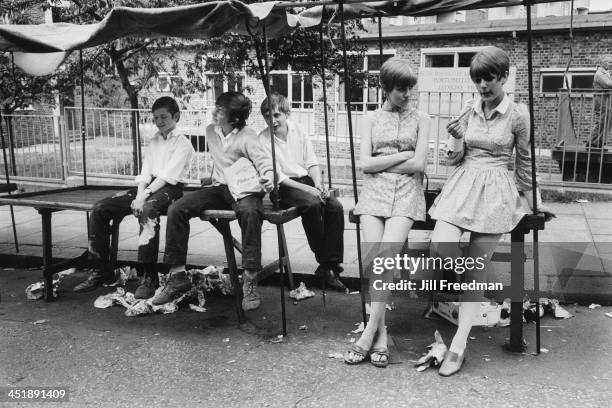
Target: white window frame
x,y
168,76
225,87
364,96
455,51
290,75
559,72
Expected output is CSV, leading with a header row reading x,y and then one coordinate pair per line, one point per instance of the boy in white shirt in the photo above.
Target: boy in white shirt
x,y
164,172
300,186
229,139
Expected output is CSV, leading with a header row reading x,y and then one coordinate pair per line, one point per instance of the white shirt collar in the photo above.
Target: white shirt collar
x,y
219,131
173,133
502,108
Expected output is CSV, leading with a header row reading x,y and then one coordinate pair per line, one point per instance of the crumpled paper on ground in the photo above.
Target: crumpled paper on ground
x,y
123,275
208,280
435,355
547,306
136,307
301,292
118,297
36,290
146,306
559,312
203,280
211,278
504,314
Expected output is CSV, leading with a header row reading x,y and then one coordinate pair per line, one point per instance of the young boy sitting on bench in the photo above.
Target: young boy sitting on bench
x,y
164,171
229,139
301,187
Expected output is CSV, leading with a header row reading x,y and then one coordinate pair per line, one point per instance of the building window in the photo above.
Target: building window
x,y
448,57
217,84
232,80
551,80
296,86
370,95
166,82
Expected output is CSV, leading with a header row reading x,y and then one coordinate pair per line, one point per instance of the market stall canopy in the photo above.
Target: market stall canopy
x,y
213,19
209,20
197,21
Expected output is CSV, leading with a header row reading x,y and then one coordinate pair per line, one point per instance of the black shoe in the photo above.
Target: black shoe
x,y
330,278
95,280
147,287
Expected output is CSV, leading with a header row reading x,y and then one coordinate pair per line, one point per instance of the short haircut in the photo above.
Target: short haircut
x,y
237,106
396,73
488,63
277,101
166,102
605,62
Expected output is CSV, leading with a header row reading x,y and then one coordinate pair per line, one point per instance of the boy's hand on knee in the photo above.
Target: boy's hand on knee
x,y
324,192
313,191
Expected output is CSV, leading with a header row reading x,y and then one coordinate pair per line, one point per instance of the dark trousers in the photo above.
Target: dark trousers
x,y
249,211
323,223
118,206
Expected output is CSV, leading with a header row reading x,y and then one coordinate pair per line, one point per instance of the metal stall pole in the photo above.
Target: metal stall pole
x,y
279,231
83,125
327,149
347,97
380,44
536,271
323,62
9,122
8,183
83,130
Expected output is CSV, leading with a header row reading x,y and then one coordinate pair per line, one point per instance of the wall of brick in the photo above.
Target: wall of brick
x,y
550,50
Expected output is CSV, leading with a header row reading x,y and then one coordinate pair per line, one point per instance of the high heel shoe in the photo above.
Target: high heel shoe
x,y
452,363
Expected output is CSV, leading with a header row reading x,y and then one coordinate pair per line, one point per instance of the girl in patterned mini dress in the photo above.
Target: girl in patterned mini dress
x,y
480,196
393,158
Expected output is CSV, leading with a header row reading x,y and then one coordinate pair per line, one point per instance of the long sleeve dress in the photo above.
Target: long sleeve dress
x,y
480,194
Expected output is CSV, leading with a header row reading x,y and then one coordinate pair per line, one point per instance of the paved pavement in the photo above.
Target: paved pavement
x,y
206,359
581,230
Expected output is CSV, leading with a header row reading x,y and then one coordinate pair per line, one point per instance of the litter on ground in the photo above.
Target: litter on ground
x,y
301,292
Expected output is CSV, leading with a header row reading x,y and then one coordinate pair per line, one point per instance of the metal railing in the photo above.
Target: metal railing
x,y
49,148
110,146
584,136
35,152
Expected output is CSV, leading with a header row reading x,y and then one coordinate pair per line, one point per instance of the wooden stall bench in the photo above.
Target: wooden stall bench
x,y
517,259
83,198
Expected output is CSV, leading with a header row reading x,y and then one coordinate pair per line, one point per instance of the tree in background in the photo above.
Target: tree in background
x,y
136,62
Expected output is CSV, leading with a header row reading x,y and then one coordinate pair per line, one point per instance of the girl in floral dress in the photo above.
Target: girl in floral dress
x,y
393,158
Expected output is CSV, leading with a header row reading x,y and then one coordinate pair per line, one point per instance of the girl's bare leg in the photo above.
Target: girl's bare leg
x,y
378,230
481,245
395,234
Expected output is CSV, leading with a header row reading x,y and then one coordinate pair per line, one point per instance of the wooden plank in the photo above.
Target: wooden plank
x,y
78,198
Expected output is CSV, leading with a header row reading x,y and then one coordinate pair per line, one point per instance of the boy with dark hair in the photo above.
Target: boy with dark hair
x,y
300,186
164,171
229,139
